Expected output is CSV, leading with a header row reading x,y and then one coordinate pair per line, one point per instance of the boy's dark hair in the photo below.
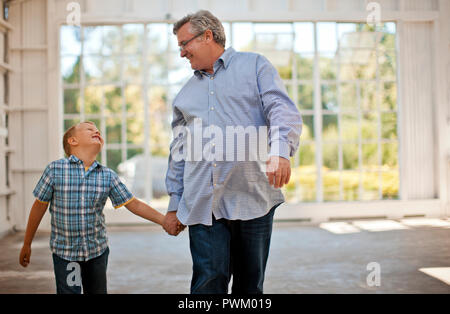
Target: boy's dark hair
x,y
68,134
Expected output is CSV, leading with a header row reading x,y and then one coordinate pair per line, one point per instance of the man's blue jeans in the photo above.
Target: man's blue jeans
x,y
230,247
91,275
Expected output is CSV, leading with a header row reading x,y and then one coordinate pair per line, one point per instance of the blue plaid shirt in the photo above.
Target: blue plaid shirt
x,y
77,198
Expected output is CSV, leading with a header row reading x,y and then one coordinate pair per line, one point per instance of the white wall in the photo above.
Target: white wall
x,y
423,81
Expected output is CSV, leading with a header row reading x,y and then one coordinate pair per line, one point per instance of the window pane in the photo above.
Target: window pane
x,y
326,36
350,156
305,66
70,69
305,188
133,38
133,99
92,66
132,152
389,126
330,156
327,67
390,155
132,69
92,40
307,128
369,126
111,40
370,157
390,184
305,97
330,127
350,185
369,96
389,96
388,65
331,186
348,97
307,156
114,158
371,182
304,37
242,36
111,69
329,97
113,130
92,99
113,99
71,101
135,130
70,40
157,38
350,127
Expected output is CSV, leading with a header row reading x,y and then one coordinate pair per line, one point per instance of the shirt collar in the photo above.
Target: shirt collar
x,y
77,160
224,59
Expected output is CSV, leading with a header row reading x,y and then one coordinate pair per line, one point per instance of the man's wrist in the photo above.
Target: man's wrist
x,y
280,149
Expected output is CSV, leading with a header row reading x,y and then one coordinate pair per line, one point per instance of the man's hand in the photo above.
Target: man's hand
x,y
172,225
278,171
25,255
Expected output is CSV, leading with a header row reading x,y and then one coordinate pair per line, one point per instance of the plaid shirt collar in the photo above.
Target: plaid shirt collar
x,y
75,159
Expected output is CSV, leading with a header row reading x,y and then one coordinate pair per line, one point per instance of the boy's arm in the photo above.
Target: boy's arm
x,y
145,211
37,212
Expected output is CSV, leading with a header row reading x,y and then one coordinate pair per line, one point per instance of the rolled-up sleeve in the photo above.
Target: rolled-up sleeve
x,y
175,171
282,115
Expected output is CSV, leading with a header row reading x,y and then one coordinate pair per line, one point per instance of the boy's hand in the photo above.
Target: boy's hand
x,y
25,255
172,225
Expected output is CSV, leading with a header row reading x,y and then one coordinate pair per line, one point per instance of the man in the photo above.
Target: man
x,y
228,205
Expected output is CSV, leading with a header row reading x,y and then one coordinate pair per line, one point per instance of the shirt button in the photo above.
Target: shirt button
x,y
212,108
212,93
212,77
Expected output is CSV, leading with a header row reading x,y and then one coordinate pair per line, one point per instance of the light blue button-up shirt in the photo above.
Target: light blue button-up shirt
x,y
244,90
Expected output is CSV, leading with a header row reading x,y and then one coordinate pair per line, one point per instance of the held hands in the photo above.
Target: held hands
x,y
278,171
25,255
172,225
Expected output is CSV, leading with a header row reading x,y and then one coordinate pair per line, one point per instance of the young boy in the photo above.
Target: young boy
x,y
77,188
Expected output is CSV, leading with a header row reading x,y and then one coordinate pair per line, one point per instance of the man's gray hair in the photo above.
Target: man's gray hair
x,y
201,21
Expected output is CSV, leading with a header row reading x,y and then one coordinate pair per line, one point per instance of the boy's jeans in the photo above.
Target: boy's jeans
x,y
70,276
230,247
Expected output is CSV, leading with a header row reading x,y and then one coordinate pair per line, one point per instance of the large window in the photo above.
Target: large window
x,y
342,76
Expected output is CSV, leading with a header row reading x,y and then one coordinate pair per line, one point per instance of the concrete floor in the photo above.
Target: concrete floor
x,y
303,259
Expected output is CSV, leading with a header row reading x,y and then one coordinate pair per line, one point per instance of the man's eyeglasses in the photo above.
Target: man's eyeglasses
x,y
183,44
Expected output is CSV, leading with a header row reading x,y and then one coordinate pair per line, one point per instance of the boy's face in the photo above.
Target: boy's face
x,y
87,135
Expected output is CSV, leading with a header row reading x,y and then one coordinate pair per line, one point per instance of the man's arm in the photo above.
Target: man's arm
x,y
37,212
174,176
284,121
145,211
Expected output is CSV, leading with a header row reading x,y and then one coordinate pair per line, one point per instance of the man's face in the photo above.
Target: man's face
x,y
196,50
87,134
